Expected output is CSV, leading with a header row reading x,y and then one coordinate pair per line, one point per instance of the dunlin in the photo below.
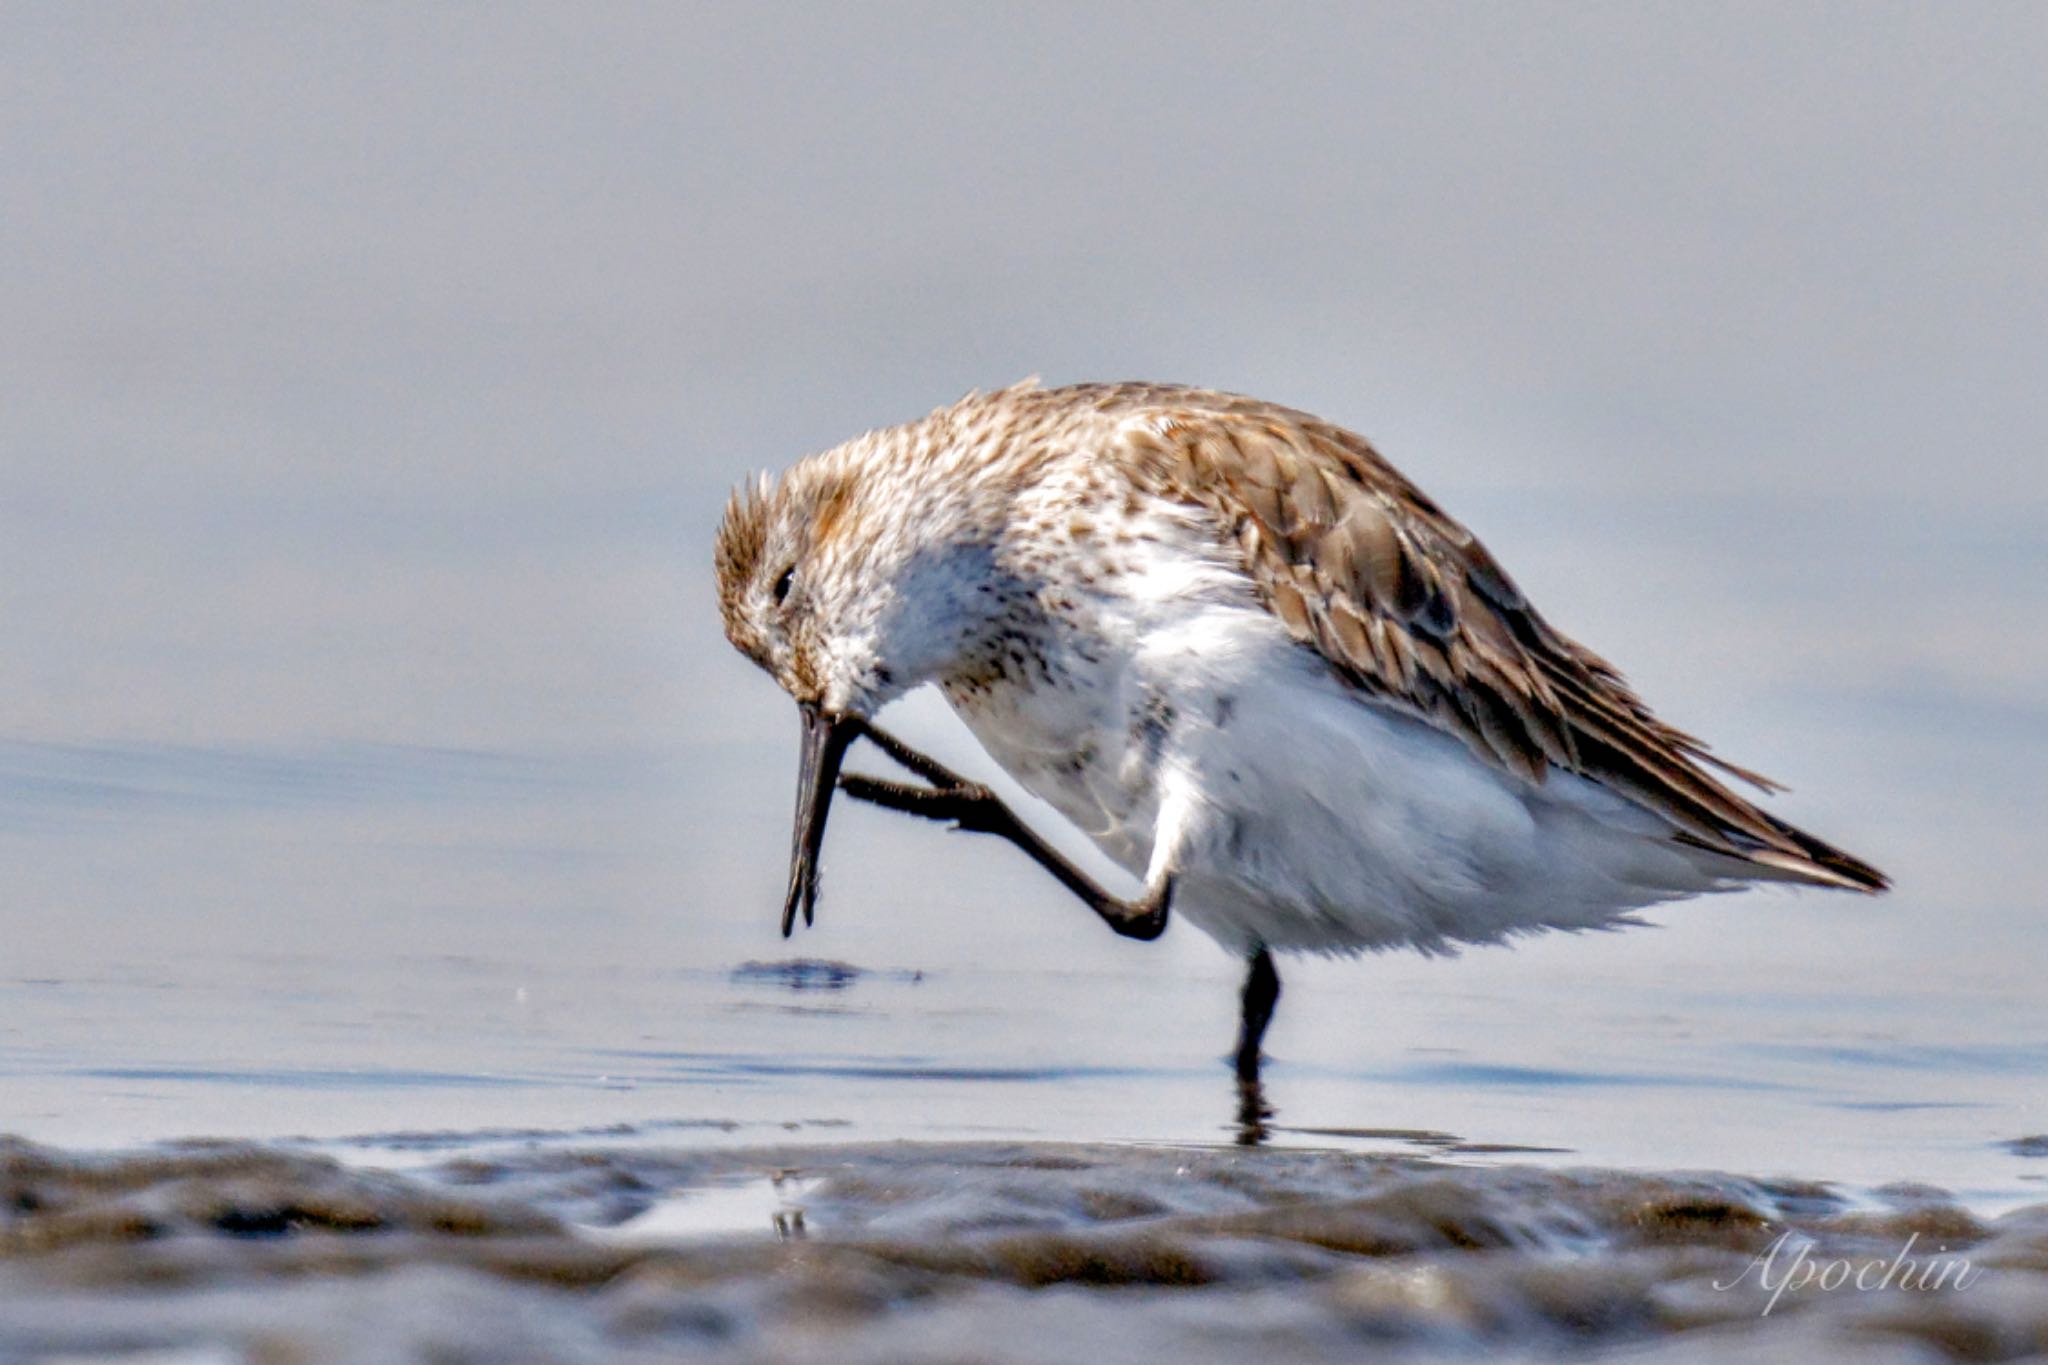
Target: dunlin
x,y
1252,661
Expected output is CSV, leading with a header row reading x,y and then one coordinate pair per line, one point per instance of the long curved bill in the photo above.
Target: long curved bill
x,y
824,749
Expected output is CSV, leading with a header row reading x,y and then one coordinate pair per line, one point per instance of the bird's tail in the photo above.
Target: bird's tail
x,y
1800,857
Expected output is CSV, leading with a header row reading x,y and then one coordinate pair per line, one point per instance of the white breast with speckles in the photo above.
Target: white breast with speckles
x,y
1178,725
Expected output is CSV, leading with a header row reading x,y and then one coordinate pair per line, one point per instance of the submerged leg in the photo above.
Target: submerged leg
x,y
1261,992
971,806
1252,1112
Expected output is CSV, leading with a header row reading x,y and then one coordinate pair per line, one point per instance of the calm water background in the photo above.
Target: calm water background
x,y
370,759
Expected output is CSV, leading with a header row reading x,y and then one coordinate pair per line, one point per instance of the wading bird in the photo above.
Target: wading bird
x,y
1252,661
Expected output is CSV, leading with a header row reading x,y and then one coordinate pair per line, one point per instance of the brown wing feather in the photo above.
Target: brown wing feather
x,y
1411,609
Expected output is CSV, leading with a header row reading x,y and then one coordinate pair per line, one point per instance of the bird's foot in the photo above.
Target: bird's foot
x,y
968,805
971,806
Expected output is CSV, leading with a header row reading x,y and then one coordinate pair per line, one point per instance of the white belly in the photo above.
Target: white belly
x,y
1298,816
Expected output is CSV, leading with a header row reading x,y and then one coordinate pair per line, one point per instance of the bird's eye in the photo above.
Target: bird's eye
x,y
782,584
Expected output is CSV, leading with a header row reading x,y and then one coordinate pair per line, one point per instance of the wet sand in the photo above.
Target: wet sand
x,y
626,1246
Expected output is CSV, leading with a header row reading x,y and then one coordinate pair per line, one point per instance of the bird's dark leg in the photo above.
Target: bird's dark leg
x,y
1261,992
971,806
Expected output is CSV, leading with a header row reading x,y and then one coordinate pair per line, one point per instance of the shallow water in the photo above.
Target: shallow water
x,y
1811,1081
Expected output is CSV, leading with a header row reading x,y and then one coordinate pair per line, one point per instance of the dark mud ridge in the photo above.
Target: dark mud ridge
x,y
985,1252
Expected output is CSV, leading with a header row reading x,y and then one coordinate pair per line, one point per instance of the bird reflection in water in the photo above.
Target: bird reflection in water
x,y
1252,1112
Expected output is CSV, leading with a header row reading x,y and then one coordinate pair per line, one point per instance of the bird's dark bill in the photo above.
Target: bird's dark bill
x,y
824,748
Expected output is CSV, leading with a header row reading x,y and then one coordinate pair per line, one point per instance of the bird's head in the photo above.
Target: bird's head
x,y
851,581
794,588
